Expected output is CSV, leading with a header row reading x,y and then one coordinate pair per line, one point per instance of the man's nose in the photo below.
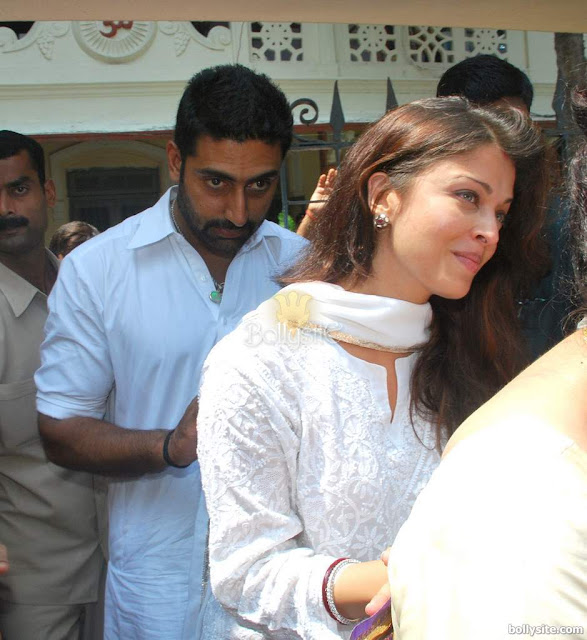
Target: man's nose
x,y
6,204
236,210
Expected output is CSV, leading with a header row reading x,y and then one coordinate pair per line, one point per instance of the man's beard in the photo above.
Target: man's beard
x,y
217,245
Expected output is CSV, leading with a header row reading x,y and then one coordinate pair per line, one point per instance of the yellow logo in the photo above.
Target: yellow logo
x,y
293,310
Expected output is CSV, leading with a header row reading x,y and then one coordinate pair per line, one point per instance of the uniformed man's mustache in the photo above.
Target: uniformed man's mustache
x,y
12,222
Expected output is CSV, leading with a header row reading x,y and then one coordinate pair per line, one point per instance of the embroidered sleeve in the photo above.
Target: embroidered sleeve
x,y
248,450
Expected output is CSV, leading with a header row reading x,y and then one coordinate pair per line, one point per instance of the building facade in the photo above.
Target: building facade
x,y
101,96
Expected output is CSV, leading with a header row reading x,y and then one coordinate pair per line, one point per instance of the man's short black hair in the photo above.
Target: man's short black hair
x,y
485,79
232,102
12,143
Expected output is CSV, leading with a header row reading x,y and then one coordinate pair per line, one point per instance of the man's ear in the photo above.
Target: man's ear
x,y
173,161
381,197
50,193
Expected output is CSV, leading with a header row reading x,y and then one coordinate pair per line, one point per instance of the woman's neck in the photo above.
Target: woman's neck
x,y
380,282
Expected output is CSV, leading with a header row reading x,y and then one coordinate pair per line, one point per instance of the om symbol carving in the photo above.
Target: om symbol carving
x,y
115,25
114,41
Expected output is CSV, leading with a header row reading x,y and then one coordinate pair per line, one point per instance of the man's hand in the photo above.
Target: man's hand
x,y
182,448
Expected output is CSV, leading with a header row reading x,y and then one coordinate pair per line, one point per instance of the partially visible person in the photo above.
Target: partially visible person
x,y
48,517
496,543
322,192
322,415
69,236
488,80
134,314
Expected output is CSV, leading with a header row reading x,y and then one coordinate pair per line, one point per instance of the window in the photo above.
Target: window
x,y
105,197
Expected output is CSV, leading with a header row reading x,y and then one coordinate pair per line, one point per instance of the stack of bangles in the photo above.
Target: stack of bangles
x,y
328,590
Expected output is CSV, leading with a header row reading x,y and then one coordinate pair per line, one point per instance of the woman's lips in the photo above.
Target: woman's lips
x,y
470,260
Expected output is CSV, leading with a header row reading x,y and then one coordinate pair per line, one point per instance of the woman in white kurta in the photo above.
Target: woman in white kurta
x,y
323,415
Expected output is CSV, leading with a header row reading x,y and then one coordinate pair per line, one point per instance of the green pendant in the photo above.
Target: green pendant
x,y
216,296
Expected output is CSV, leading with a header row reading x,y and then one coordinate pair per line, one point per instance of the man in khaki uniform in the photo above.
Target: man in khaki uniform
x,y
48,518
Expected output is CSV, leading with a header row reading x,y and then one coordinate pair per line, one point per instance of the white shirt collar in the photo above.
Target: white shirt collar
x,y
156,225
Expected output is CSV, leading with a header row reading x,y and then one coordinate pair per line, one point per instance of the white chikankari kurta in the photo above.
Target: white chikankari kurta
x,y
302,463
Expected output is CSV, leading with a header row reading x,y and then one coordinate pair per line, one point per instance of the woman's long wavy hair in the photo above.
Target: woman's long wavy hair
x,y
475,344
578,203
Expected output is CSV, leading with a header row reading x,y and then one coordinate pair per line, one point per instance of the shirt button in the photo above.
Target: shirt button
x,y
202,278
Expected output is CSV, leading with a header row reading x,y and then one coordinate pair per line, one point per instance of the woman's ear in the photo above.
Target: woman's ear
x,y
381,197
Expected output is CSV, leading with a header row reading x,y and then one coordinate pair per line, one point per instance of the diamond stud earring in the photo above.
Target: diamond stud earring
x,y
381,221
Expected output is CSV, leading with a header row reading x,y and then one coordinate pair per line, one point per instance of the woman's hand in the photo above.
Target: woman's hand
x,y
383,595
358,585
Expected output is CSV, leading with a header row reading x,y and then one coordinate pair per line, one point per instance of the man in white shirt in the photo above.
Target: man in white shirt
x,y
132,318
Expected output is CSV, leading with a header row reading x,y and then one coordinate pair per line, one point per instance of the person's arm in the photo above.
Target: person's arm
x,y
76,379
358,586
318,199
259,568
89,444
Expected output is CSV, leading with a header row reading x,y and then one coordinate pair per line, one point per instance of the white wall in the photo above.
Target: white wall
x,y
68,78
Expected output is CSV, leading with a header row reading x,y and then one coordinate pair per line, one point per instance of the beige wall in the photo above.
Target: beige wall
x,y
538,15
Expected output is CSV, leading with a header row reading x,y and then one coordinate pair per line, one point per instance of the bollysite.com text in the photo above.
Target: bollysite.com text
x,y
543,630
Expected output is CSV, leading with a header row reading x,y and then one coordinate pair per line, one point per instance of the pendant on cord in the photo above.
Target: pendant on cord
x,y
216,295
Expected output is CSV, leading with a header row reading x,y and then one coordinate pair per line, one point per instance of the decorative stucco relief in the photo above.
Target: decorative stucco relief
x,y
492,41
372,42
182,32
43,34
276,42
114,41
436,47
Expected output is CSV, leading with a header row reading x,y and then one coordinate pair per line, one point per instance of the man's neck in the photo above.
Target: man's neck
x,y
33,266
217,266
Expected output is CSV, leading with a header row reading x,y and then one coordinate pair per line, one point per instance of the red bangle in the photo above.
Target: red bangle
x,y
328,590
325,586
310,215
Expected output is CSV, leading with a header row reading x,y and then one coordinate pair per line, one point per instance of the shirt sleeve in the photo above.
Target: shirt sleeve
x,y
76,375
259,567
